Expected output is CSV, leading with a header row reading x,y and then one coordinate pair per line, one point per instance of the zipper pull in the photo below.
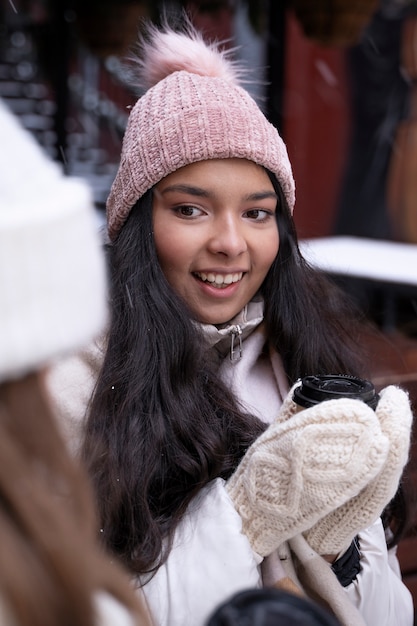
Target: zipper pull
x,y
236,336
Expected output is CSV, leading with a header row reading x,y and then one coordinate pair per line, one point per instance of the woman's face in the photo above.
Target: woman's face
x,y
216,234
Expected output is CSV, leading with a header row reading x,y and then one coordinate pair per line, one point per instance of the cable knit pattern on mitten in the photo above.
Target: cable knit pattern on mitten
x,y
300,469
334,532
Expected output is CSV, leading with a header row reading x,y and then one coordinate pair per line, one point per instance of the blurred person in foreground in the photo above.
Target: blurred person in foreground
x,y
53,301
270,607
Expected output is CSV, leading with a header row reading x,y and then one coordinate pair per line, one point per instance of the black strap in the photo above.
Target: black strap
x,y
348,566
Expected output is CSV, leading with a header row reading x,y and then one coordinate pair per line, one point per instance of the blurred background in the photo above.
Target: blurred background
x,y
331,75
337,77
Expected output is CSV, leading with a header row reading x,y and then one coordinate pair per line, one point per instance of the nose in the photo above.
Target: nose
x,y
228,237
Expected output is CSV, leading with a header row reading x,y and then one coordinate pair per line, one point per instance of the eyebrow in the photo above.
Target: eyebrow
x,y
188,189
261,195
202,193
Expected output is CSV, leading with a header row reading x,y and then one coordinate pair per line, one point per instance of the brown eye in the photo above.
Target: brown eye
x,y
258,215
188,210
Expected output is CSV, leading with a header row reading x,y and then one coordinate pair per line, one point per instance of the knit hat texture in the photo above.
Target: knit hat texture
x,y
302,468
52,271
194,109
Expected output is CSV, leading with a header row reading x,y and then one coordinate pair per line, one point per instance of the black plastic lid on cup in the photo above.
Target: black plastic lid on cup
x,y
315,389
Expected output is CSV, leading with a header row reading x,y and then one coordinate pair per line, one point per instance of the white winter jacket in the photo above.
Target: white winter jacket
x,y
211,558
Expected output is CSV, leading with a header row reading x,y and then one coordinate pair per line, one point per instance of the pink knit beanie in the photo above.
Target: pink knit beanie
x,y
193,110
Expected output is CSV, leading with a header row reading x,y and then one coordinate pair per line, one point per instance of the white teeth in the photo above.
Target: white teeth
x,y
220,280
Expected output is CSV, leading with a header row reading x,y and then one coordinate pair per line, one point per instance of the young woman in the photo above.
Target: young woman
x,y
214,316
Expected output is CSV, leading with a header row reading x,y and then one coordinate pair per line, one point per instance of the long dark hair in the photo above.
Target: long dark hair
x,y
310,322
162,424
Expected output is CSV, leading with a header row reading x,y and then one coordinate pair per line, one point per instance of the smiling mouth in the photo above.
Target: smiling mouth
x,y
220,281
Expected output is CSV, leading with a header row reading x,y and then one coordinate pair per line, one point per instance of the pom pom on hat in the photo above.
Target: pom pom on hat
x,y
163,52
194,110
52,270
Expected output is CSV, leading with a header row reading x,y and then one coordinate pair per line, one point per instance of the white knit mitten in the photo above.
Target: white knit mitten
x,y
302,468
335,531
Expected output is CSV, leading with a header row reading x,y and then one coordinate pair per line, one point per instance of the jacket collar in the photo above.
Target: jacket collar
x,y
228,338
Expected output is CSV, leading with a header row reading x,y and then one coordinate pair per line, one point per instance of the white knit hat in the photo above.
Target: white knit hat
x,y
52,271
